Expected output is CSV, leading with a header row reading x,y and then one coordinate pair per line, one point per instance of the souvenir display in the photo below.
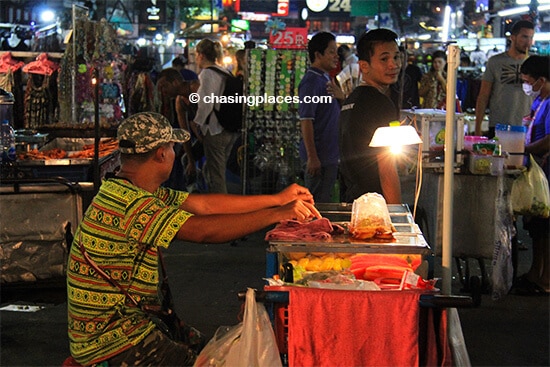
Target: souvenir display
x,y
272,127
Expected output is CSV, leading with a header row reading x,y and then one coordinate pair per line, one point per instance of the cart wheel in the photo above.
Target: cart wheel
x,y
475,288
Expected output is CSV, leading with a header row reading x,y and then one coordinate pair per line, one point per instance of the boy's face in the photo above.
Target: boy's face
x,y
384,66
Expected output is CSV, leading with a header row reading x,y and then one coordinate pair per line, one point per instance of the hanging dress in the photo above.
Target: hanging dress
x,y
38,111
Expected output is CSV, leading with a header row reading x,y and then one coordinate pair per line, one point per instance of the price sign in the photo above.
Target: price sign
x,y
289,38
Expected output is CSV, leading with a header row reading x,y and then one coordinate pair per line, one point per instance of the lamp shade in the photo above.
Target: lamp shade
x,y
388,136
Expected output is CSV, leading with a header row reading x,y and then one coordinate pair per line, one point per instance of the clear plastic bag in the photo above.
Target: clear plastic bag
x,y
530,193
370,217
251,343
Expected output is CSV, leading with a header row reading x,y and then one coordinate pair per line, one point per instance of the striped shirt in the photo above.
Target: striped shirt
x,y
121,231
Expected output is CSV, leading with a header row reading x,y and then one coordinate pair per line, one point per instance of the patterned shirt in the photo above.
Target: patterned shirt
x,y
121,231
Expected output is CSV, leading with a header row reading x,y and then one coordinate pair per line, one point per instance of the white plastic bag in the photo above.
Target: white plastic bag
x,y
250,343
530,192
257,346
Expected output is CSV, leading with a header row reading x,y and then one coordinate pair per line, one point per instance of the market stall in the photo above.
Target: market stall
x,y
271,131
71,106
322,319
34,242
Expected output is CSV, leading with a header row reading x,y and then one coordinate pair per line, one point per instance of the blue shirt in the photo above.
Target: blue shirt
x,y
324,115
188,74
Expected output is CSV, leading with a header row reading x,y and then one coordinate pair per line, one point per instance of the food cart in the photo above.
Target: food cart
x,y
43,200
337,325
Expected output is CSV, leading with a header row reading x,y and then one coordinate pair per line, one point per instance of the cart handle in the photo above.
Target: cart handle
x,y
74,187
426,300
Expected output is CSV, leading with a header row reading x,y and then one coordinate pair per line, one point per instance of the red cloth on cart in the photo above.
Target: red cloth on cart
x,y
360,328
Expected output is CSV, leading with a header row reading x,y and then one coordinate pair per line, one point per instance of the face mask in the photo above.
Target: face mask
x,y
528,89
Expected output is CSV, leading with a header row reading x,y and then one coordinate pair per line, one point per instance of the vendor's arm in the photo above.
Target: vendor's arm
x,y
389,178
213,203
540,147
481,104
313,166
218,228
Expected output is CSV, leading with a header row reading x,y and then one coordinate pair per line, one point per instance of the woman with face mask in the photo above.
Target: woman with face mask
x,y
536,83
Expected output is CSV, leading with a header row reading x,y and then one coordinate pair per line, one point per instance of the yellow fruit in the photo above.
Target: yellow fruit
x,y
327,263
314,264
337,264
303,262
346,263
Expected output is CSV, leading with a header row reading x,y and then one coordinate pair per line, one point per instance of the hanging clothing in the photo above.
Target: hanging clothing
x,y
38,101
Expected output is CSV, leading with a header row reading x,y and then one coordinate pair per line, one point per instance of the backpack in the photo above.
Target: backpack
x,y
230,115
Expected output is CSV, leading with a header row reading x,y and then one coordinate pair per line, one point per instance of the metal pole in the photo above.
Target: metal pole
x,y
96,131
453,58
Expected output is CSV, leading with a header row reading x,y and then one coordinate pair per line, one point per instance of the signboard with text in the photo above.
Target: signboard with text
x,y
152,11
289,38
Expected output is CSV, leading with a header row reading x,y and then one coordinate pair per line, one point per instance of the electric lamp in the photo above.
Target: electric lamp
x,y
395,136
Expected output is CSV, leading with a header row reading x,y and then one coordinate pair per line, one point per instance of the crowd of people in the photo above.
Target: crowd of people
x,y
136,213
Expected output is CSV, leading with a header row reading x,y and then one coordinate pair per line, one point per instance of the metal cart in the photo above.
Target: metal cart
x,y
481,204
37,217
408,239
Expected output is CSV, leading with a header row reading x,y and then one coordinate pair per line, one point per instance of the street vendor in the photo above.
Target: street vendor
x,y
128,221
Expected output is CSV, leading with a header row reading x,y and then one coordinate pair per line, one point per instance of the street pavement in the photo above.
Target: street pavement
x,y
206,278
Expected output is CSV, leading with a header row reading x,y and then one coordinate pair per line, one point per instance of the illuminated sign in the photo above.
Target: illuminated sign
x,y
282,8
327,7
239,25
152,11
289,38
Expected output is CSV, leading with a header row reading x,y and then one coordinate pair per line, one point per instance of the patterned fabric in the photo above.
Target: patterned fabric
x,y
121,232
145,131
431,90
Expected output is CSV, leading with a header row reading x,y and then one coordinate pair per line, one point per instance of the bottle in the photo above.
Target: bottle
x,y
8,142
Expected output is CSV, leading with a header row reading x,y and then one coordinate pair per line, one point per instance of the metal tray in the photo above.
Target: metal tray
x,y
408,237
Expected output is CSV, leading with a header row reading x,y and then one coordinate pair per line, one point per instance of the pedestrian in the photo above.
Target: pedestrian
x,y
501,85
535,73
366,169
217,142
346,55
179,63
129,220
240,57
433,85
406,88
319,118
170,86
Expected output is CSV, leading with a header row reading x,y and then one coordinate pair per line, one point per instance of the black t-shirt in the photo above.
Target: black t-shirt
x,y
362,113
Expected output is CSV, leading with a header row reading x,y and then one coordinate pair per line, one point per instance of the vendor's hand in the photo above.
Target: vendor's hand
x,y
334,89
295,192
300,210
313,166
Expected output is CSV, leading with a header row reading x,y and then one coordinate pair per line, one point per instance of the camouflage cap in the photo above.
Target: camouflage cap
x,y
145,131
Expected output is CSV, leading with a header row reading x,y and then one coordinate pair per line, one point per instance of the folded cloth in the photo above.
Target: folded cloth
x,y
293,230
350,328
